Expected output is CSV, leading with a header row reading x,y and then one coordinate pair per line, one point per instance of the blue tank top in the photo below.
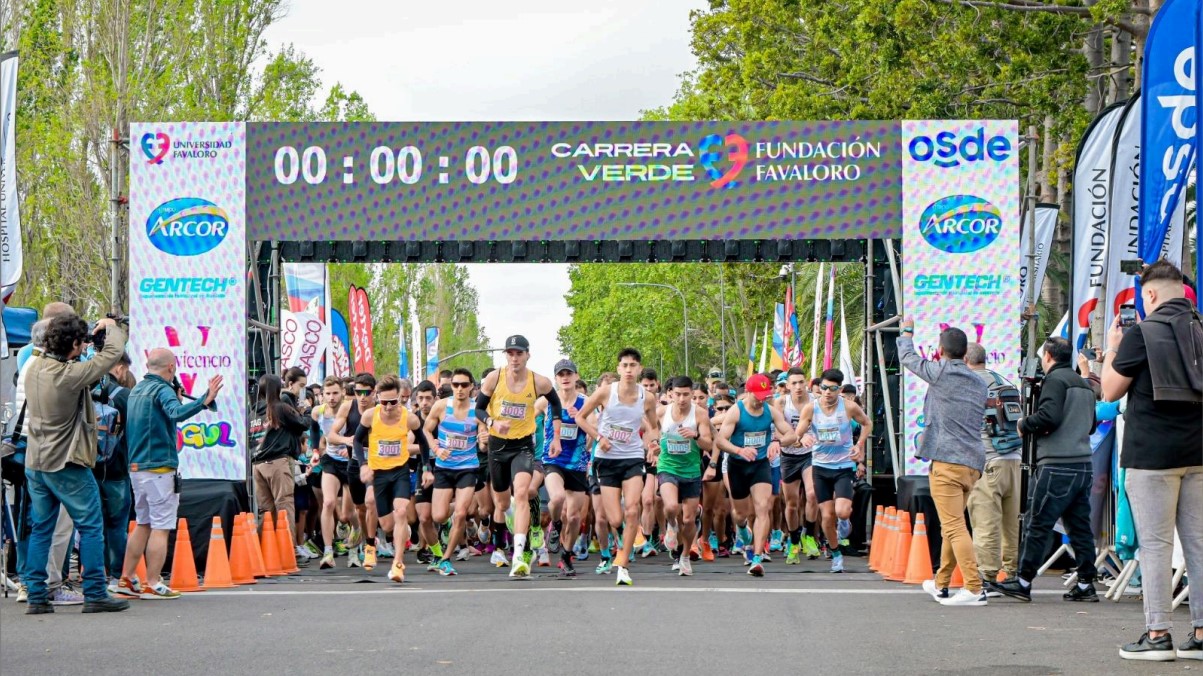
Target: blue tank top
x,y
753,431
834,432
573,454
460,437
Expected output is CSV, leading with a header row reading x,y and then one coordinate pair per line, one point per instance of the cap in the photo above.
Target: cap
x,y
715,373
759,386
565,365
783,378
517,343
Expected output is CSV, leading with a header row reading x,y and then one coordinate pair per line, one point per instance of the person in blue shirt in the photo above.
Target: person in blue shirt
x,y
567,478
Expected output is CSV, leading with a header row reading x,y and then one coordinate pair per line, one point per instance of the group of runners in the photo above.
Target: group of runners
x,y
631,468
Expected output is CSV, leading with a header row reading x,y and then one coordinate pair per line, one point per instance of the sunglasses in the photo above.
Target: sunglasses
x,y
389,402
720,409
363,393
455,384
830,388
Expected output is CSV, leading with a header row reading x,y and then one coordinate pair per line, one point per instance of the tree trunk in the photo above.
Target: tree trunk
x,y
1119,85
1092,48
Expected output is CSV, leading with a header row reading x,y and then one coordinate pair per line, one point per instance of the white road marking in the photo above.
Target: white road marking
x,y
522,588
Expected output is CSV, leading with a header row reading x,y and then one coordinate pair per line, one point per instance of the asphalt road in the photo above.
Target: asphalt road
x,y
796,619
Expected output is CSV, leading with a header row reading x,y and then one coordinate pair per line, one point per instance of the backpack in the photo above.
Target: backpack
x,y
1004,408
109,427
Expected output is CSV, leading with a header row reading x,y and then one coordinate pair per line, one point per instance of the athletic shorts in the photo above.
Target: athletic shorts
x,y
575,482
612,473
455,478
649,468
508,458
302,498
776,478
687,489
155,499
792,467
537,466
833,483
591,480
389,485
315,478
359,491
336,468
422,496
718,471
746,474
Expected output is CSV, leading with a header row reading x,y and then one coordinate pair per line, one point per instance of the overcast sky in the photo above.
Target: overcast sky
x,y
475,60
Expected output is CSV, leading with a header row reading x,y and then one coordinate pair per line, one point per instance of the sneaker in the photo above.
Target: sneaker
x,y
623,578
520,570
566,568
315,552
1150,649
553,539
842,529
369,557
757,568
837,562
707,551
354,537
594,546
670,538
341,531
106,605
129,588
160,592
445,568
581,550
463,554
302,553
426,557
810,548
1192,649
964,597
39,609
743,536
604,567
723,552
775,544
397,572
536,537
354,559
327,561
640,539
498,559
648,549
22,594
686,567
676,565
1088,595
938,595
544,560
340,548
792,552
1013,588
66,596
384,550
765,557
694,554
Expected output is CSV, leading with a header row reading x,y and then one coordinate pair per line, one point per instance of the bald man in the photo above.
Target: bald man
x,y
153,409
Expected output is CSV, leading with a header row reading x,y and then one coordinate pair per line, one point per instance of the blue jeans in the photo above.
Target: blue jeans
x,y
1059,492
115,501
74,488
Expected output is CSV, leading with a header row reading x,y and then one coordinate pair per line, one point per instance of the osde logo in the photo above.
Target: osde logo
x,y
187,226
947,150
960,224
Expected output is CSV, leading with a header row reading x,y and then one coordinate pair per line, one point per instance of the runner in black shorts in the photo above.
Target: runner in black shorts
x,y
801,507
422,478
714,499
454,429
342,432
652,505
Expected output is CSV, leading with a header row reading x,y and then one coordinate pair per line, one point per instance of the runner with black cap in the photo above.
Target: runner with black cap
x,y
507,397
567,482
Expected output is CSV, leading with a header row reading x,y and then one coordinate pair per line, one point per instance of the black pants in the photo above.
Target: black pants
x,y
1059,492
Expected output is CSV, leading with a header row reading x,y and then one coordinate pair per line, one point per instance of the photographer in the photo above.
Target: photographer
x,y
154,408
1158,364
1060,429
62,447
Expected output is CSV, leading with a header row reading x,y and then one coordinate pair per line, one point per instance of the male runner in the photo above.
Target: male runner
x,y
714,497
797,474
567,484
455,425
429,547
685,433
384,433
334,464
343,432
620,452
834,458
745,435
645,542
507,397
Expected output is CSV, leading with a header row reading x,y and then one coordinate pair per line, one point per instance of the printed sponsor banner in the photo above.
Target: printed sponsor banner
x,y
305,286
10,217
338,358
1046,224
303,340
961,242
361,330
402,353
777,357
432,351
187,261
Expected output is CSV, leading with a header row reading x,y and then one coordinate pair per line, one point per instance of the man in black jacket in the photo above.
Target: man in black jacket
x,y
1060,428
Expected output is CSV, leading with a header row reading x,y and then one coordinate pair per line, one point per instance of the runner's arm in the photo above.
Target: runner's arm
x,y
554,406
362,438
583,419
704,440
486,393
653,421
420,440
431,429
340,424
785,435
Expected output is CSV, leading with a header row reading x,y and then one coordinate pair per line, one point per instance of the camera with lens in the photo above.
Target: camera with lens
x,y
97,338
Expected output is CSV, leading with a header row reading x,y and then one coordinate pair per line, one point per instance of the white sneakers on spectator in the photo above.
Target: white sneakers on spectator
x,y
964,597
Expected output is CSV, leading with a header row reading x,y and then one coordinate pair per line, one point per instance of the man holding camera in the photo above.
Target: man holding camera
x,y
62,448
1060,430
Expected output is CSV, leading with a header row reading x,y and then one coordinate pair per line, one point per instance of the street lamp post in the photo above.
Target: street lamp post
x,y
684,312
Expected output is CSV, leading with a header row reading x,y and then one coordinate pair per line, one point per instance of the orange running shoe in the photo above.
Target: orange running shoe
x,y
707,552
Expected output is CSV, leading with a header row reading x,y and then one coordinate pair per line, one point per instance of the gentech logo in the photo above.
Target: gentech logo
x,y
948,150
710,153
187,226
155,147
960,224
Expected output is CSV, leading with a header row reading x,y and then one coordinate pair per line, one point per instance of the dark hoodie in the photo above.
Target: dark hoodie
x,y
283,441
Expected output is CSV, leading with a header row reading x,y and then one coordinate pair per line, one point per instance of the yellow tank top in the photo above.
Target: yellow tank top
x,y
516,407
388,445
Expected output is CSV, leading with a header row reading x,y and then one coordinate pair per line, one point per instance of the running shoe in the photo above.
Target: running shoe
x,y
340,548
810,548
964,597
640,539
743,535
520,570
445,568
594,546
544,560
354,537
23,593
737,548
649,549
843,528
314,550
670,538
707,551
129,588
509,518
765,557
676,565
623,578
66,596
723,552
498,559
528,557
748,555
433,566
694,554
686,567
1148,649
302,553
566,568
712,541
581,550
775,544
354,559
536,537
383,549
426,557
757,568
327,561
604,567
397,572
437,550
159,592
369,557
553,539
342,531
837,562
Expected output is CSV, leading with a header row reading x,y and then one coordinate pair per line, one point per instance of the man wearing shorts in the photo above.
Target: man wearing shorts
x,y
620,457
835,458
507,397
153,410
797,474
653,506
746,436
347,421
714,498
334,463
454,428
430,550
567,482
684,434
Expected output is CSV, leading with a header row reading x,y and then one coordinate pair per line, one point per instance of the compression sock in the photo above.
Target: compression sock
x,y
499,531
795,536
519,546
371,542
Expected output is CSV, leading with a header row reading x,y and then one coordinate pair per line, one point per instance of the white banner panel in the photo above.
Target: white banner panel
x,y
187,268
1046,224
960,204
303,341
10,217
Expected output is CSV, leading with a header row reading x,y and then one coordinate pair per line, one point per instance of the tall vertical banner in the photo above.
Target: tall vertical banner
x,y
1090,219
1171,116
402,353
961,242
361,329
845,353
1046,224
432,352
814,334
777,356
828,342
304,329
187,269
338,356
752,352
10,217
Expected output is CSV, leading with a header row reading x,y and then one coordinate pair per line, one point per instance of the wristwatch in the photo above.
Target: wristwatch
x,y
714,464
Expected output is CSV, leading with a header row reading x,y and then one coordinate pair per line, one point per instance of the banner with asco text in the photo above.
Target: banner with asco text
x,y
961,245
187,268
305,286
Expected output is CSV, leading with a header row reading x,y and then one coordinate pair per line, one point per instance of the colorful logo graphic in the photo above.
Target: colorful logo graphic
x,y
960,224
155,147
201,435
948,150
190,354
187,226
186,287
711,153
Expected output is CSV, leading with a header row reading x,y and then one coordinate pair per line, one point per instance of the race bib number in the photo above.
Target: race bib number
x,y
389,449
458,442
621,435
568,432
828,434
755,439
677,446
337,451
513,410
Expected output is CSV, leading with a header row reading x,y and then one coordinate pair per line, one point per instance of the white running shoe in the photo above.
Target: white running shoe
x,y
303,553
686,567
670,538
463,554
498,559
676,564
543,560
964,597
622,577
520,570
353,560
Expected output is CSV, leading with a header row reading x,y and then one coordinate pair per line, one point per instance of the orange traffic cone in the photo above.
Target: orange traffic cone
x,y
918,565
288,555
252,537
270,546
183,565
875,543
217,565
902,551
958,580
140,571
240,555
885,563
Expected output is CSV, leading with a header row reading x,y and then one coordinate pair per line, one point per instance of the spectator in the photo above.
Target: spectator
x,y
112,475
994,502
62,448
154,409
1060,429
294,389
953,409
1158,364
276,432
445,378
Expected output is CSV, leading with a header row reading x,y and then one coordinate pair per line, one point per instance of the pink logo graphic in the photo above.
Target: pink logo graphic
x,y
188,380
